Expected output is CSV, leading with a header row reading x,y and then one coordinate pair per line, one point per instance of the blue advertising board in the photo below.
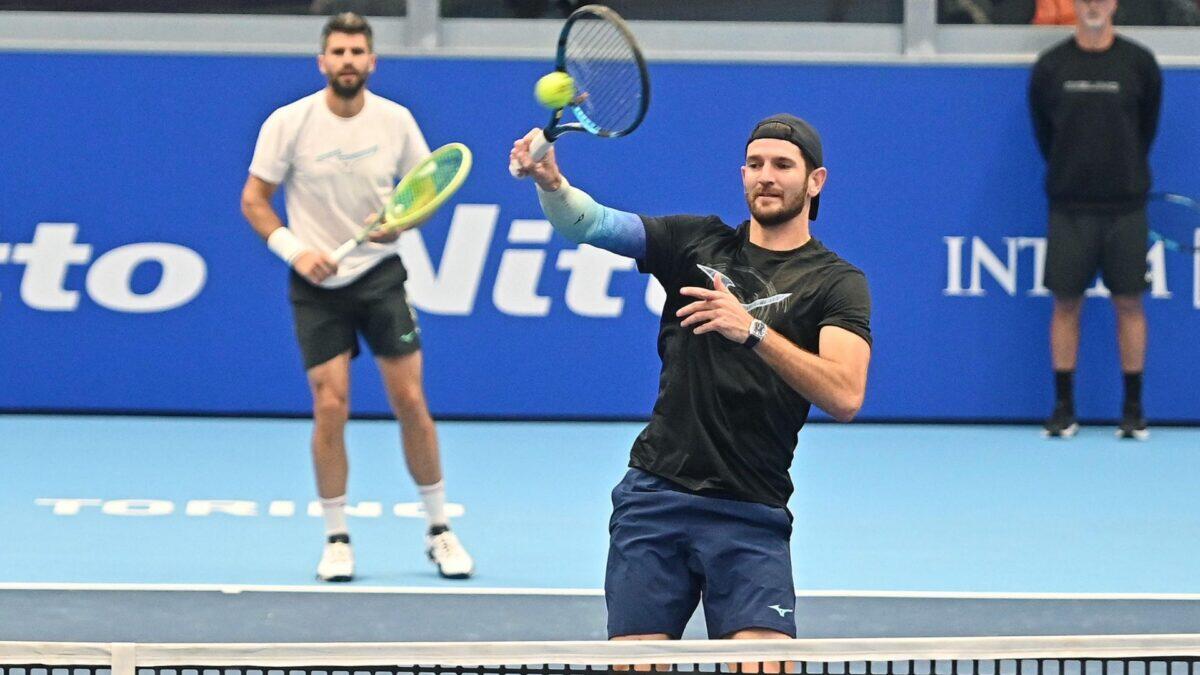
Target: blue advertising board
x,y
130,281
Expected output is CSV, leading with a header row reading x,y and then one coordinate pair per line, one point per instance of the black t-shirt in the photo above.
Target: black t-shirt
x,y
725,423
1095,115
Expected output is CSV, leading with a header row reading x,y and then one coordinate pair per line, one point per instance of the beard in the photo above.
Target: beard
x,y
347,91
789,208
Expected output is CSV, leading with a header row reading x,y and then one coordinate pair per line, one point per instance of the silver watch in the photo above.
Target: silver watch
x,y
758,331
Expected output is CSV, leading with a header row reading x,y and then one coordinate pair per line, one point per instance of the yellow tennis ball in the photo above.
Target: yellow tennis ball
x,y
555,90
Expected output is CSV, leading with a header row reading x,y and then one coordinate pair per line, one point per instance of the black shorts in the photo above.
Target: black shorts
x,y
1079,243
328,320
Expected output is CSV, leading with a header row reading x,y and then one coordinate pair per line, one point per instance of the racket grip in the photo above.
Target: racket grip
x,y
343,251
538,147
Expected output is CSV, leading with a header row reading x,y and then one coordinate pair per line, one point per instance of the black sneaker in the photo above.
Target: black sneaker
x,y
1133,425
1062,423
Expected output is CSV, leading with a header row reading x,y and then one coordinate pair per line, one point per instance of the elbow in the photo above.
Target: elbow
x,y
249,204
847,407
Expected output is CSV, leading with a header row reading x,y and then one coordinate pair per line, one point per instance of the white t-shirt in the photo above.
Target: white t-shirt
x,y
337,170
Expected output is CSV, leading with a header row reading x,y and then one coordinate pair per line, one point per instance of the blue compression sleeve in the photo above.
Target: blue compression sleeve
x,y
579,218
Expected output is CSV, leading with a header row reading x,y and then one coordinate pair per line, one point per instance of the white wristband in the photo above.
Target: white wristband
x,y
285,245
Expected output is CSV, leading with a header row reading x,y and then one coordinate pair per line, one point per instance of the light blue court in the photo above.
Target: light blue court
x,y
976,509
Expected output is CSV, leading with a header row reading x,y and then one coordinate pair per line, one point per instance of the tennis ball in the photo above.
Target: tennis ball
x,y
555,90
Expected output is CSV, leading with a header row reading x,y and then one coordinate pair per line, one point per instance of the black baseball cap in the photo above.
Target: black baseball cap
x,y
790,128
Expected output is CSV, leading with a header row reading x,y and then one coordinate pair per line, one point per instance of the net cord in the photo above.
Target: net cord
x,y
124,658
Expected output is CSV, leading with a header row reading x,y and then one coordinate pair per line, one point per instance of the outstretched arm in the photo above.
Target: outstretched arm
x,y
573,212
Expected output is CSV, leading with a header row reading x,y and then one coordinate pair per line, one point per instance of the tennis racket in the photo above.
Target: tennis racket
x,y
1175,221
422,190
597,49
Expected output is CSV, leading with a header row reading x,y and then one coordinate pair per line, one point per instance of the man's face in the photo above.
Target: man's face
x,y
1095,14
347,62
777,182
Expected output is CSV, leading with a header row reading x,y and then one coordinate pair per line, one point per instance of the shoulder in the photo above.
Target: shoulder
x,y
296,110
392,110
689,225
1136,51
1132,46
838,271
1055,54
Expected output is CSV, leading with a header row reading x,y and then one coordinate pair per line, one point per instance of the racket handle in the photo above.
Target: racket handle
x,y
538,147
343,251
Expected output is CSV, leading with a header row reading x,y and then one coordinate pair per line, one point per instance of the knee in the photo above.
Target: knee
x,y
409,403
1068,306
1128,305
330,405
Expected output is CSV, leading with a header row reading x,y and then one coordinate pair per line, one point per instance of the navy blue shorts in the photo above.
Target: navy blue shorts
x,y
669,549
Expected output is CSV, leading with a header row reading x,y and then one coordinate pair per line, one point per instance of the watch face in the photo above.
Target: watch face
x,y
758,329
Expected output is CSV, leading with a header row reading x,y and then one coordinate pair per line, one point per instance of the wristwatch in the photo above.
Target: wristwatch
x,y
758,331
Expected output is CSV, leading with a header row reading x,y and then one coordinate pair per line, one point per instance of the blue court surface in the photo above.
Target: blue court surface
x,y
143,515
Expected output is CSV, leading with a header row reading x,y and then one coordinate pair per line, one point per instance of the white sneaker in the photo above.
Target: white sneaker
x,y
452,560
337,562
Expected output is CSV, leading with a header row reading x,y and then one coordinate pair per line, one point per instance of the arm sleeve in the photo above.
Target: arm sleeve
x,y
1151,104
273,151
576,216
848,304
1039,108
414,148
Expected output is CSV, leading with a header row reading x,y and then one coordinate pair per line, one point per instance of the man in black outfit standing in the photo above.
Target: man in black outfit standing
x,y
1095,102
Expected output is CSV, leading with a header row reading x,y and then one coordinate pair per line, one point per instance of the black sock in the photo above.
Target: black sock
x,y
1064,387
1133,391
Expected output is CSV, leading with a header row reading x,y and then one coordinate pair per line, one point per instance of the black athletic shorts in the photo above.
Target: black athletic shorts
x,y
1079,243
329,320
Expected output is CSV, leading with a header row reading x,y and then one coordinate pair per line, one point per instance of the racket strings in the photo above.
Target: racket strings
x,y
427,185
605,68
613,80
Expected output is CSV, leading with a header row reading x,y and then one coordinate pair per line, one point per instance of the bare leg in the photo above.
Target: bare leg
x,y
330,385
1064,332
402,379
1131,332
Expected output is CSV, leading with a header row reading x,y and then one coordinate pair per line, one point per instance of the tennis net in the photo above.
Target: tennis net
x,y
1039,655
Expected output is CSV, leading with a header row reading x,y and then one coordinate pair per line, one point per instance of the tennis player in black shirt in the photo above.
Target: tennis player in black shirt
x,y
1095,102
760,322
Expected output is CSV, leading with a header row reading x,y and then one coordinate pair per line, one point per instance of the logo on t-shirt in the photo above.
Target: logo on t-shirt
x,y
1092,87
347,160
756,293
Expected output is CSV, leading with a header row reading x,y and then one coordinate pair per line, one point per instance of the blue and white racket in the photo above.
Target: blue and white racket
x,y
597,49
1175,221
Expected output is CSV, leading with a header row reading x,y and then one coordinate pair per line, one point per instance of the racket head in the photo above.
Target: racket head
x,y
1174,220
597,49
426,187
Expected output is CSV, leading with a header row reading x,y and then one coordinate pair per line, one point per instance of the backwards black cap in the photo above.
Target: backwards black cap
x,y
790,128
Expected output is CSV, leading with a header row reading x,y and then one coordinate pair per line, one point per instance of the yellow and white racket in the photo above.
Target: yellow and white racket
x,y
417,195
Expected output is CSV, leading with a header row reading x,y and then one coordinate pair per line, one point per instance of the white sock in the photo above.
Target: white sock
x,y
334,510
434,499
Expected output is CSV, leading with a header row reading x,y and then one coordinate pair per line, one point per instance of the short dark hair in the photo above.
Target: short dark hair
x,y
349,23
